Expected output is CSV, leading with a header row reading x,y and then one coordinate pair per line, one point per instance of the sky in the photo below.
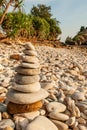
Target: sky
x,y
72,14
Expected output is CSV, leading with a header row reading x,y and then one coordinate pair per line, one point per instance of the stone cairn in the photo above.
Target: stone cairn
x,y
26,94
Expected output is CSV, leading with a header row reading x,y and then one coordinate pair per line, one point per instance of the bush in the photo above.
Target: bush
x,y
20,24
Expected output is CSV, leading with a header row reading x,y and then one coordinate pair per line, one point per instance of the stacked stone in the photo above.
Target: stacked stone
x,y
26,94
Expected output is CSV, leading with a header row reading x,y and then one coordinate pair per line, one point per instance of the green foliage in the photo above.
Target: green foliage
x,y
54,28
11,23
18,24
41,11
80,38
15,4
75,38
2,5
41,26
43,21
69,41
82,28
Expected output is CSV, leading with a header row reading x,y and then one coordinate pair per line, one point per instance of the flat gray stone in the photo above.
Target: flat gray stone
x,y
29,46
3,107
78,96
21,79
41,123
30,59
31,66
58,116
26,98
6,122
52,106
60,125
82,127
29,115
34,87
30,52
47,85
28,71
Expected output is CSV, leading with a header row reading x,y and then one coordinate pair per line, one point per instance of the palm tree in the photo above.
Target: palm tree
x,y
17,4
5,11
5,4
2,3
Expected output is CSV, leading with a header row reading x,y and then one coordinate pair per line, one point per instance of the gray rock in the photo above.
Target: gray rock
x,y
20,122
30,52
52,106
29,46
26,98
3,107
60,125
26,71
30,59
29,115
6,122
58,116
82,105
78,96
31,66
47,85
82,127
34,87
41,123
21,79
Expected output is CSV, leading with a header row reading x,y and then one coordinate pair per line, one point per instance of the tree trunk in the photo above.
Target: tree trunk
x,y
7,6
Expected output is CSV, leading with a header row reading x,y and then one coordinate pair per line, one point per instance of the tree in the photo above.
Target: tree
x,y
54,28
41,11
44,12
26,30
69,41
17,4
41,27
2,4
38,24
14,28
5,11
82,28
6,4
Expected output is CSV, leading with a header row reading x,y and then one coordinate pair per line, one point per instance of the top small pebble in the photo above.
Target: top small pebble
x,y
29,46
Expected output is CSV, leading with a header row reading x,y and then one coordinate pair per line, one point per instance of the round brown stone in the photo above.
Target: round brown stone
x,y
14,108
15,57
26,71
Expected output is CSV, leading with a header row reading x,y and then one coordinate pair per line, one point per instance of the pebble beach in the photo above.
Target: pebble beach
x,y
63,78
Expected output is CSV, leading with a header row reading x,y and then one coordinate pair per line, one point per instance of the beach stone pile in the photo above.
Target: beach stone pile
x,y
26,94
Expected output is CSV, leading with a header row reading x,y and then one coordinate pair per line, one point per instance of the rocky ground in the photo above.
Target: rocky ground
x,y
63,75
